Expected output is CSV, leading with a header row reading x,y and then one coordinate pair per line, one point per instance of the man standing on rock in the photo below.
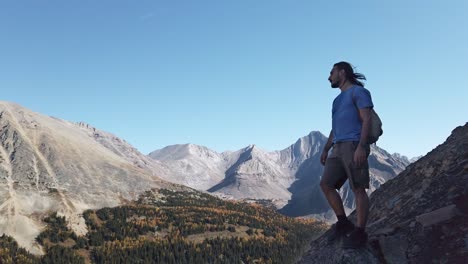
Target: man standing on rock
x,y
348,159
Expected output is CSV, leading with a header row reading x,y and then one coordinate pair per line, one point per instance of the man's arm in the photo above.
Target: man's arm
x,y
360,153
327,148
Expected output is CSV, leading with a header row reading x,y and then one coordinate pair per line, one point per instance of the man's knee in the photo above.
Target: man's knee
x,y
360,191
325,187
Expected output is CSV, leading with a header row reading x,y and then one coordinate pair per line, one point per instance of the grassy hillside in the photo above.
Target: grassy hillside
x,y
166,226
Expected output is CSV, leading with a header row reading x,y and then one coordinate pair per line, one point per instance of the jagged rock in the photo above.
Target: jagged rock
x,y
385,231
323,253
419,216
394,249
461,202
437,216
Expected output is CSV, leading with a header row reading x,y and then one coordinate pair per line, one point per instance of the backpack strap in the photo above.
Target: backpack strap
x,y
354,103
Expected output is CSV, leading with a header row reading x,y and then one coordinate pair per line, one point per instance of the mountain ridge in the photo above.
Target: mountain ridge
x,y
48,164
290,176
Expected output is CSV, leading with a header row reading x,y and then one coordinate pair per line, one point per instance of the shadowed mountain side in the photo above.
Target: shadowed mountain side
x,y
420,216
255,174
307,197
232,171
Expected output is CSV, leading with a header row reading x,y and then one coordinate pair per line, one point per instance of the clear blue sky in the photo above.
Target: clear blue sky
x,y
226,74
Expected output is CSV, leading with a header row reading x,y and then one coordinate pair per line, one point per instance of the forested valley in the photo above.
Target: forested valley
x,y
166,226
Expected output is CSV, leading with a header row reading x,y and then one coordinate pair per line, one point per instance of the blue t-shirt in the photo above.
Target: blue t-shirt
x,y
346,125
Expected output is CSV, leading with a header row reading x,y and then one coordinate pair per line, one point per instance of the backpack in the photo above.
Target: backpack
x,y
375,128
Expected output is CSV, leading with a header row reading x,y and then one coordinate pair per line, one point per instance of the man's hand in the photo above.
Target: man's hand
x,y
359,156
323,157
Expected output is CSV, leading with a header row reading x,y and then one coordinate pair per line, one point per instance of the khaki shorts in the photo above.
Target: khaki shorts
x,y
340,166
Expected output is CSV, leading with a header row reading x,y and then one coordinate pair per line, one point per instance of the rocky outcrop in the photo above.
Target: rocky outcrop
x,y
421,216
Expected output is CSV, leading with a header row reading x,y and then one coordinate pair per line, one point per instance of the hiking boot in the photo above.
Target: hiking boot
x,y
356,239
340,229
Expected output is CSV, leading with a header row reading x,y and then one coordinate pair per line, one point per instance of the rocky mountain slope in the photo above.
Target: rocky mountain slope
x,y
48,164
255,174
192,165
289,178
421,216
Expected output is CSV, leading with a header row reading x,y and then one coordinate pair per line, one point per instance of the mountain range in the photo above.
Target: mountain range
x,y
48,164
289,178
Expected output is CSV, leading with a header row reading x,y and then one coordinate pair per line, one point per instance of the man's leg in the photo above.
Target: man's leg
x,y
333,177
343,226
362,207
358,238
333,198
359,181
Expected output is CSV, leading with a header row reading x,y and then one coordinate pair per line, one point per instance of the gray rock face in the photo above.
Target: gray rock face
x,y
255,174
332,254
48,164
192,165
420,216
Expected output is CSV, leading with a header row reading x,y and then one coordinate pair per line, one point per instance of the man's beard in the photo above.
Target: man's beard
x,y
335,85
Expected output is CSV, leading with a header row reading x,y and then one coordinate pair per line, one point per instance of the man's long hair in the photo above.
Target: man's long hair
x,y
351,76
